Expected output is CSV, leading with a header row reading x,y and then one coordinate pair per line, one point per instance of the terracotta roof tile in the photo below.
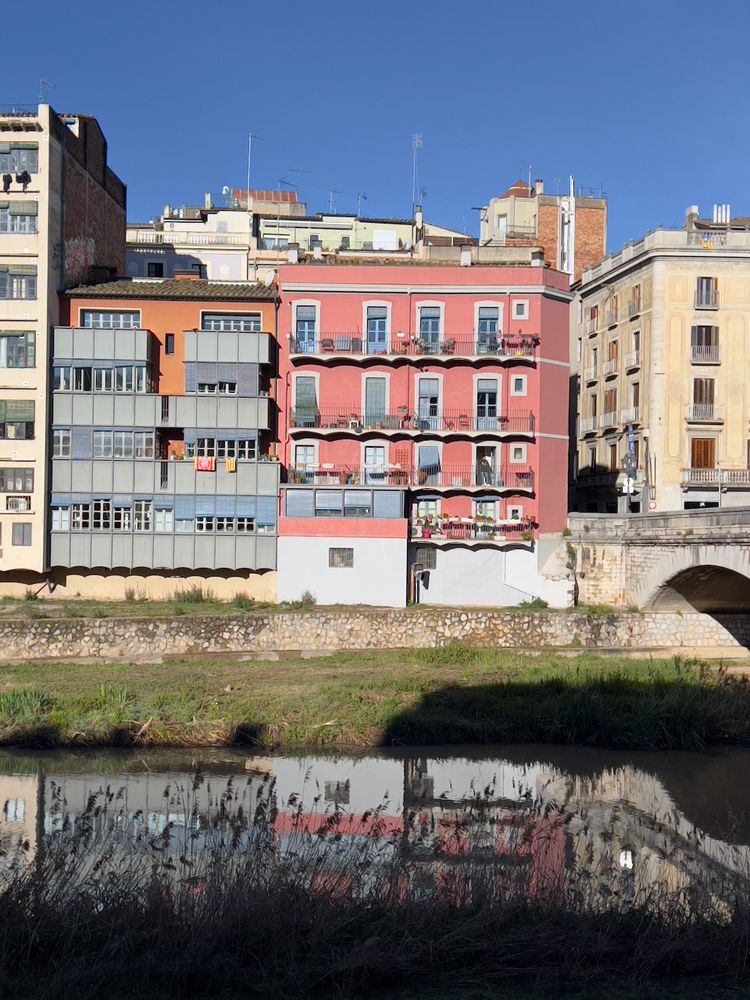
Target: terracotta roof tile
x,y
177,288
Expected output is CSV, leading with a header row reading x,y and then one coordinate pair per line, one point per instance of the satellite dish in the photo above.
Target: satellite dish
x,y
225,189
268,278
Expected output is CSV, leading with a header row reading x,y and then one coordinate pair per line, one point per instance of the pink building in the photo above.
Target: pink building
x,y
423,430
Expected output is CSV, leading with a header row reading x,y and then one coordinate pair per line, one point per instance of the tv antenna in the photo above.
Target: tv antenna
x,y
44,85
360,198
250,137
416,145
332,200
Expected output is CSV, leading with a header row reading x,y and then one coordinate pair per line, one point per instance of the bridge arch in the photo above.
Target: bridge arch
x,y
707,578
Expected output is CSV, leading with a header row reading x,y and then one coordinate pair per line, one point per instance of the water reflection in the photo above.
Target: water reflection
x,y
535,814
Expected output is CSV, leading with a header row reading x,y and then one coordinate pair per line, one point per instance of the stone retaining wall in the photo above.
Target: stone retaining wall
x,y
341,629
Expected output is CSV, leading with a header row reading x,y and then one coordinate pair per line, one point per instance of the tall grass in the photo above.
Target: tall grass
x,y
221,903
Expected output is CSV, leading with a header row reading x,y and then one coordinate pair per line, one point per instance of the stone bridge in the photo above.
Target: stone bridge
x,y
697,561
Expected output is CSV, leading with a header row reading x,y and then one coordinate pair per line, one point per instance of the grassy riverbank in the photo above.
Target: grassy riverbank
x,y
450,695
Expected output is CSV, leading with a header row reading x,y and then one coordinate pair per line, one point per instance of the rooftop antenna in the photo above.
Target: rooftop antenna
x,y
250,137
416,145
529,177
556,182
44,85
282,182
361,196
332,200
422,196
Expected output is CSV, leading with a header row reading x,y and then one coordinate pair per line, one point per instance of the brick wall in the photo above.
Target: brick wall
x,y
590,237
547,230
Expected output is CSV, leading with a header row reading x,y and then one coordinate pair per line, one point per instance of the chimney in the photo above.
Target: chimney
x,y
207,199
691,214
317,252
537,258
464,258
539,186
166,211
292,253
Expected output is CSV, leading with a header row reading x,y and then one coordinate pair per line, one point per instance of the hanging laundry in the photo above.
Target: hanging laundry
x,y
230,464
204,463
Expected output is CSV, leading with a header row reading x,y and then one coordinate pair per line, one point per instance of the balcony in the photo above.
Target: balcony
x,y
610,419
631,415
587,425
609,368
473,531
701,355
705,413
739,478
354,420
707,299
458,477
357,346
633,360
634,308
179,236
18,504
592,324
589,374
611,317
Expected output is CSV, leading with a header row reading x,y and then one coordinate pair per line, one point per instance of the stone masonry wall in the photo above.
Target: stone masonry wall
x,y
349,629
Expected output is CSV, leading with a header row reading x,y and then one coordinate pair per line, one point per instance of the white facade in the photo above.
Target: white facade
x,y
377,575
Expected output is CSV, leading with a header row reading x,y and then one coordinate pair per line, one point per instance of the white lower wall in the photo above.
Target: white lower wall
x,y
490,578
378,576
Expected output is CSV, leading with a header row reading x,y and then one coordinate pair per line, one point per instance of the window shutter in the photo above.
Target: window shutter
x,y
226,506
374,398
19,409
487,385
184,508
304,394
357,498
205,506
328,500
246,506
226,372
162,503
23,208
266,511
387,503
206,371
300,503
247,379
59,500
190,376
81,442
126,500
429,387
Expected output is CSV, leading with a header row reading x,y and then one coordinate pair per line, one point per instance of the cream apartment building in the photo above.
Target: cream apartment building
x,y
62,214
661,371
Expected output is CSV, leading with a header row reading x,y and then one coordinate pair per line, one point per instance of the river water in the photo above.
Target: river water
x,y
627,818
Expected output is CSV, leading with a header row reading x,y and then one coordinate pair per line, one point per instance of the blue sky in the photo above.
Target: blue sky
x,y
648,99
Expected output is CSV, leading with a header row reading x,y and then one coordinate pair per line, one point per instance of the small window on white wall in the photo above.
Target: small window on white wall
x,y
518,453
341,558
521,309
518,385
515,512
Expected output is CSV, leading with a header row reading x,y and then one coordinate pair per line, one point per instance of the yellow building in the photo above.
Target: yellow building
x,y
62,214
661,371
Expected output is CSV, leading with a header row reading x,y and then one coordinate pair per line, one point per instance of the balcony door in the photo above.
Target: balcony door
x,y
374,400
377,330
488,324
486,466
487,393
304,462
305,329
374,465
428,461
703,398
429,328
428,403
305,401
703,453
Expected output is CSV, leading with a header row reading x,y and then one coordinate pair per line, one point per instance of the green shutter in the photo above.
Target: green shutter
x,y
19,410
23,269
24,208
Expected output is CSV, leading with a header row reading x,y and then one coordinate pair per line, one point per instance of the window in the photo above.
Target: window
x,y
636,341
101,515
518,453
515,512
62,380
15,503
428,402
328,503
15,157
485,508
703,453
123,444
427,508
245,524
703,392
155,269
612,349
102,444
486,397
246,448
121,520
169,343
637,453
305,401
17,350
103,380
488,326
205,447
227,388
164,520
17,419
341,558
304,456
16,480
81,379
18,217
613,458
707,293
425,557
635,394
80,517
204,523
61,443
142,515
377,329
143,444
141,378
111,319
357,503
429,327
305,326
593,404
185,526
60,519
237,322
610,401
521,309
18,281
704,343
207,388
518,385
224,524
124,378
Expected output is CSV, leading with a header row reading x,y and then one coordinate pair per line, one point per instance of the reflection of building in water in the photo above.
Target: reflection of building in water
x,y
18,816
